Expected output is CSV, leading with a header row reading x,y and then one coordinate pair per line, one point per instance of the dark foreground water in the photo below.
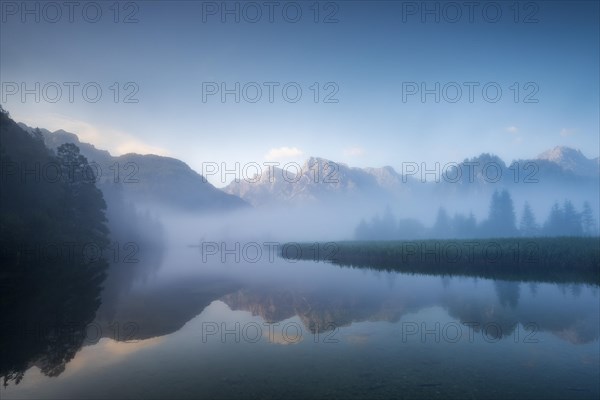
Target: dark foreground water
x,y
173,326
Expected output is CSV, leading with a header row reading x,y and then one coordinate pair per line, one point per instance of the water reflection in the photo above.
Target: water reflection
x,y
52,302
161,305
152,311
45,309
567,318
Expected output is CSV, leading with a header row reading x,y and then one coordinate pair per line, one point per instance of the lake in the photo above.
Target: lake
x,y
177,324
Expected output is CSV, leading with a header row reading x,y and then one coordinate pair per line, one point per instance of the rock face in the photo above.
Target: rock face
x,y
321,181
572,160
318,180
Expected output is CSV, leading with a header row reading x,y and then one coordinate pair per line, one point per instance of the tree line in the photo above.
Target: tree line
x,y
564,220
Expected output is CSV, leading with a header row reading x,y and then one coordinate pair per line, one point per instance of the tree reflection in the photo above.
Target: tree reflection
x,y
496,317
508,293
46,307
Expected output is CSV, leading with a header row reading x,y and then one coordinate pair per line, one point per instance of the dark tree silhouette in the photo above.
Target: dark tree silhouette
x,y
83,200
566,221
554,224
572,220
528,225
501,221
46,300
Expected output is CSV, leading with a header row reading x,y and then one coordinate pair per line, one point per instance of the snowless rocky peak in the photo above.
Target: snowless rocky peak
x,y
569,159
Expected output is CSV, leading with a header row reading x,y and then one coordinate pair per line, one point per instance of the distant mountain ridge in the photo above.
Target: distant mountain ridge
x,y
322,180
318,180
572,160
170,181
149,178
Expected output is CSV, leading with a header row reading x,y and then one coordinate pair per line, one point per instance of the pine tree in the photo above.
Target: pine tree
x,y
572,220
588,223
528,225
502,219
555,222
83,201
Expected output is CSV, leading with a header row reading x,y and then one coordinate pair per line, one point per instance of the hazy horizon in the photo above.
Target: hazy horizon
x,y
221,180
165,102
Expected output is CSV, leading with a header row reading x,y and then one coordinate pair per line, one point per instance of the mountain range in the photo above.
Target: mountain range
x,y
321,180
168,181
572,160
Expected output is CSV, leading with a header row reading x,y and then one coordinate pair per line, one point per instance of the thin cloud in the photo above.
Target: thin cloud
x,y
283,153
115,141
136,146
512,129
354,151
567,132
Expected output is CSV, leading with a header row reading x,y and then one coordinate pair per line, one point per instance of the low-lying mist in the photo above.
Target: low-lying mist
x,y
417,213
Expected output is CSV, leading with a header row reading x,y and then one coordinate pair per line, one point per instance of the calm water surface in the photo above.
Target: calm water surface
x,y
173,326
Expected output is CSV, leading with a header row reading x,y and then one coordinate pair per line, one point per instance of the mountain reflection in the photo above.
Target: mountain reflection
x,y
45,319
318,311
499,316
163,308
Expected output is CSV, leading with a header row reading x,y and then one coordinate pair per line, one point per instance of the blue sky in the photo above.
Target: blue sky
x,y
366,57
